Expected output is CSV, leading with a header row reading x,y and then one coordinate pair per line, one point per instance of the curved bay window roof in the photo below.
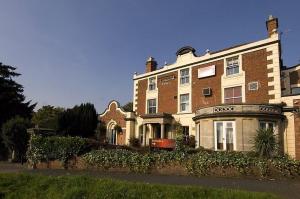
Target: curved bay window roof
x,y
246,110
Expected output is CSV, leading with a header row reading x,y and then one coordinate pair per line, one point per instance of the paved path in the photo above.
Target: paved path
x,y
287,188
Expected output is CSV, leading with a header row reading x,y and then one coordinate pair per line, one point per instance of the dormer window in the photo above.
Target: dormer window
x,y
152,83
233,66
185,76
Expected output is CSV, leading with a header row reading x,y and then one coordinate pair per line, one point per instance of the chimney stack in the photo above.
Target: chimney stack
x,y
272,25
151,65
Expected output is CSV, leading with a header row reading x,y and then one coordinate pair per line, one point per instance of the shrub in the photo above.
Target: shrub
x,y
134,161
265,142
134,142
55,148
199,163
15,137
191,141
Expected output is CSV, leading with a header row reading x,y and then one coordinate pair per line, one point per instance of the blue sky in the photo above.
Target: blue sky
x,y
74,51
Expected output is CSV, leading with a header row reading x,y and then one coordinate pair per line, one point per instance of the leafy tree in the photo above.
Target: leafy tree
x,y
15,137
47,117
128,107
179,139
79,121
265,142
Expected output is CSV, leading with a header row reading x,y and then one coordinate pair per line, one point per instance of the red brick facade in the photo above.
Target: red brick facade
x,y
167,85
141,96
116,114
255,66
253,63
200,101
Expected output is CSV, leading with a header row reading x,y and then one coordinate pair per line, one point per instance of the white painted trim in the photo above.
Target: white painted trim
x,y
109,106
184,89
295,85
224,134
291,69
213,57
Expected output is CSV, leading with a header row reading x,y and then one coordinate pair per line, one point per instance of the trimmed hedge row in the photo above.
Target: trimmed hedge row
x,y
55,148
199,163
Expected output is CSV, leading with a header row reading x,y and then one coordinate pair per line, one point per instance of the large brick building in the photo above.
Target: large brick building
x,y
220,97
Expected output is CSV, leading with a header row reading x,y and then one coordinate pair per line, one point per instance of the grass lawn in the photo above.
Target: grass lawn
x,y
37,186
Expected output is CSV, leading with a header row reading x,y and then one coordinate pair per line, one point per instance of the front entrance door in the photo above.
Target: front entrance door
x,y
225,135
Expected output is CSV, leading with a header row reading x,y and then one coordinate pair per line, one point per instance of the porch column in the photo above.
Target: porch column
x,y
144,135
162,131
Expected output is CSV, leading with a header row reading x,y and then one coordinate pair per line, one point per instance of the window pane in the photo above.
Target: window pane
x,y
228,92
219,126
229,101
296,90
271,126
229,135
232,66
237,91
184,76
237,100
263,125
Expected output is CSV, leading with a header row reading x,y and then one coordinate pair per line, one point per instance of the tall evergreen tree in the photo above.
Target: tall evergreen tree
x,y
12,99
79,121
47,117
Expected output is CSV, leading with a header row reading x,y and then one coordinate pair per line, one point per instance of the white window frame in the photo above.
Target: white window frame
x,y
186,103
230,64
224,123
152,84
234,97
148,106
184,78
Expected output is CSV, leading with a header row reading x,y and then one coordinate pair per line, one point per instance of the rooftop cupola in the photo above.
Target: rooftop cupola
x,y
272,25
151,65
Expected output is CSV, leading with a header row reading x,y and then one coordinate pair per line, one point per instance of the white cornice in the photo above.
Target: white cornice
x,y
189,58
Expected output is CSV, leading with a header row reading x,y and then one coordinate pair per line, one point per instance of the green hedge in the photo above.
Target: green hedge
x,y
55,148
136,162
197,163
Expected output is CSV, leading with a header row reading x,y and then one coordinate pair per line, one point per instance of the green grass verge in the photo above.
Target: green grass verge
x,y
21,186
